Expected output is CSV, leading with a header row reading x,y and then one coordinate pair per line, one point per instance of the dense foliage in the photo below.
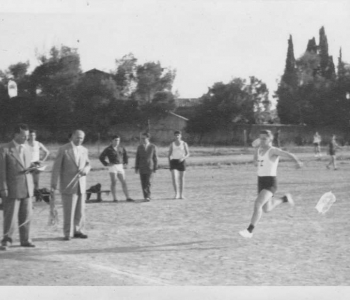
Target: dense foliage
x,y
310,91
57,97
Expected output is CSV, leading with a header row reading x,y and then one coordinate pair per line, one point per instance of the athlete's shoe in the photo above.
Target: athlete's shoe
x,y
246,234
288,198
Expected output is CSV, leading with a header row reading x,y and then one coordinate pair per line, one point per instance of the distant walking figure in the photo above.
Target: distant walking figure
x,y
178,153
317,144
333,147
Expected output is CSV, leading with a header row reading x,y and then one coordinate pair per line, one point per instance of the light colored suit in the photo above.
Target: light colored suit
x,y
65,169
19,187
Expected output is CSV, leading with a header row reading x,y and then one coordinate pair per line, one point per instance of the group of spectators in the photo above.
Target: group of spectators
x,y
21,161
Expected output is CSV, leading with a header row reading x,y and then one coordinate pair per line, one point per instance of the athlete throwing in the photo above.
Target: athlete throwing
x,y
266,158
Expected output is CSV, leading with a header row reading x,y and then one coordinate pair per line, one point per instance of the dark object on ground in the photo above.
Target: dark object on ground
x,y
95,189
42,195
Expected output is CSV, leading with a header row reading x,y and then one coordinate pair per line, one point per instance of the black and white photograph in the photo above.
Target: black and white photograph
x,y
163,149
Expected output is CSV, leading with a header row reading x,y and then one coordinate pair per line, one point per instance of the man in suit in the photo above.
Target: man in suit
x,y
71,167
16,187
146,163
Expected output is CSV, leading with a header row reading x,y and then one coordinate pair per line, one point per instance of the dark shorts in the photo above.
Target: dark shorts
x,y
316,144
267,183
175,164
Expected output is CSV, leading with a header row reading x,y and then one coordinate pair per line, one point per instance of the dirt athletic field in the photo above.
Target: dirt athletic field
x,y
195,241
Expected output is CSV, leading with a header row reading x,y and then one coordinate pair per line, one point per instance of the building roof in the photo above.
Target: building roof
x,y
98,72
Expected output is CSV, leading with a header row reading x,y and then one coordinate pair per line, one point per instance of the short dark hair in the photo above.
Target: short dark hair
x,y
32,131
267,132
20,127
147,134
177,132
116,136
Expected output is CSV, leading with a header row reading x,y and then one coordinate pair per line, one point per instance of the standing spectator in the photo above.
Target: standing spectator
x,y
36,147
333,147
317,144
146,163
71,166
16,187
178,153
117,162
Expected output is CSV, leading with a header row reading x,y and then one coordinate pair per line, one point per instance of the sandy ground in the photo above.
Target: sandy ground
x,y
195,241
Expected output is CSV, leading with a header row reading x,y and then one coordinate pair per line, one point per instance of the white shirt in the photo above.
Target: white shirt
x,y
35,151
20,150
76,151
266,166
178,152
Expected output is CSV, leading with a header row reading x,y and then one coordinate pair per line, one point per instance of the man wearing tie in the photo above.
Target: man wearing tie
x,y
16,187
71,167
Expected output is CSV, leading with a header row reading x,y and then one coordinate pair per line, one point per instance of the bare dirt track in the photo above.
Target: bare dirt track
x,y
195,241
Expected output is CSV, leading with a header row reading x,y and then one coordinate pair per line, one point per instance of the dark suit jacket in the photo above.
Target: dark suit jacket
x,y
12,177
146,160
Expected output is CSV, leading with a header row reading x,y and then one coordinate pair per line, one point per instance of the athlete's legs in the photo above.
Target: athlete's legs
x,y
121,177
174,175
36,180
334,162
271,204
263,197
182,183
113,177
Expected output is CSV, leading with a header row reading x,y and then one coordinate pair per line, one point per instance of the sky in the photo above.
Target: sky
x,y
206,41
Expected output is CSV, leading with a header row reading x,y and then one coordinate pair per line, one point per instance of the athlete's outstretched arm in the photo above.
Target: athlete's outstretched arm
x,y
282,153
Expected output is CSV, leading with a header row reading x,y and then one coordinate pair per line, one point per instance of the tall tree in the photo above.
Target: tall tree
x,y
312,46
53,85
238,101
152,78
326,63
288,105
125,75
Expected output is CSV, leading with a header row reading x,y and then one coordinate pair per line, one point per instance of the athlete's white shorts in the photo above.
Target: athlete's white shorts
x,y
117,169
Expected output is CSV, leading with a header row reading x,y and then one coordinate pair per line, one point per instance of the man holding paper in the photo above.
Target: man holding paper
x,y
71,167
16,188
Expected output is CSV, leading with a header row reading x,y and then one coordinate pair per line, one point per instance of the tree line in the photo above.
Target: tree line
x,y
57,96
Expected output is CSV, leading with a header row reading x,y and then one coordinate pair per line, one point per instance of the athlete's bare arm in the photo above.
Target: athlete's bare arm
x,y
282,153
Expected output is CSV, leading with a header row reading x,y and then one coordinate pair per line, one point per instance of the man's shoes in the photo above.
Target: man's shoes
x,y
115,200
28,244
66,238
5,245
246,234
147,200
130,200
80,235
288,198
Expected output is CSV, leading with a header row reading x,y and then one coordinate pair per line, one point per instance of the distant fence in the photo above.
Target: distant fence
x,y
235,135
244,134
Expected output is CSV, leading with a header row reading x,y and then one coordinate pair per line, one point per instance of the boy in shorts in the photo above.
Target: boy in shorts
x,y
117,162
266,158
